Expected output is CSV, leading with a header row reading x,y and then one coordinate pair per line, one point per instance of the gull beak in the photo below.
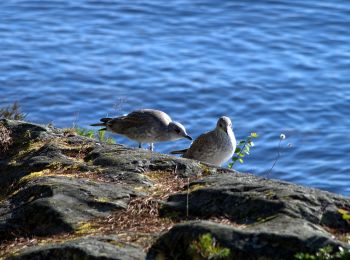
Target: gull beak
x,y
188,137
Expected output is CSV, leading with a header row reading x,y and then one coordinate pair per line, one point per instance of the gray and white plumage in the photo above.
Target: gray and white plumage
x,y
145,126
214,147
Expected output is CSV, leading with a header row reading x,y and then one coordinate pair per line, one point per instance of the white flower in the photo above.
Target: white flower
x,y
252,144
282,136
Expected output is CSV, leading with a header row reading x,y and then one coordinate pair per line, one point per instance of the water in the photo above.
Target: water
x,y
272,66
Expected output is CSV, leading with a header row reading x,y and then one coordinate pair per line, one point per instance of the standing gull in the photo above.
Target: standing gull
x,y
214,147
145,126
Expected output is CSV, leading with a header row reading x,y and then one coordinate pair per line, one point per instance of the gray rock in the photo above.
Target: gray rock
x,y
55,204
279,219
22,159
22,131
94,247
246,199
243,244
125,164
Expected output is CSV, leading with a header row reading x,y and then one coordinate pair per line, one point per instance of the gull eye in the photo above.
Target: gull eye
x,y
220,125
177,130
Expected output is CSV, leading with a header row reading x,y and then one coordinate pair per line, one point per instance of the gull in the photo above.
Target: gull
x,y
214,147
145,126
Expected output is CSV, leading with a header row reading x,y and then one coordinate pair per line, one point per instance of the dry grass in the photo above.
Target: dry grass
x,y
5,139
140,222
341,236
12,112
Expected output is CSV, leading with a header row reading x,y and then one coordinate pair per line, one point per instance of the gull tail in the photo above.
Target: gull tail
x,y
104,121
99,124
179,151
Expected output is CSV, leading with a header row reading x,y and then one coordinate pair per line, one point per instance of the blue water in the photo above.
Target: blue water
x,y
272,66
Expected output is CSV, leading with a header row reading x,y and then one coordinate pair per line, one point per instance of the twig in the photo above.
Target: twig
x,y
282,137
187,197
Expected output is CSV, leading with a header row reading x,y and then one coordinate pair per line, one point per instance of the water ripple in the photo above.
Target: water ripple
x,y
272,66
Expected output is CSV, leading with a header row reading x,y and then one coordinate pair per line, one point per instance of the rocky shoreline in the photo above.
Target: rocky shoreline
x,y
72,197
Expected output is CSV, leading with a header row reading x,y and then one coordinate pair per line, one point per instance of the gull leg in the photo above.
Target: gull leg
x,y
151,147
140,145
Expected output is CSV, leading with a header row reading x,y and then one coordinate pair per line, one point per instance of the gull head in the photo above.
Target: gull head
x,y
224,124
177,131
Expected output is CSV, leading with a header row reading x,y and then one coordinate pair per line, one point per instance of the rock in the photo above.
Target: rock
x,y
53,185
55,204
95,247
127,165
246,199
243,244
281,219
35,148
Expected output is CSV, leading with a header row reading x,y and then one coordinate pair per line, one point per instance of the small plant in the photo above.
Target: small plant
x,y
85,132
12,112
345,214
206,247
282,137
99,135
325,253
243,149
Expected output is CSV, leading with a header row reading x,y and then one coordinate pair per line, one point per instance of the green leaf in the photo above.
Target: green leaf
x,y
101,135
85,132
243,148
110,140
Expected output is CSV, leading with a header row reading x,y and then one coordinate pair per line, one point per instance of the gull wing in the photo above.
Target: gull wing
x,y
199,145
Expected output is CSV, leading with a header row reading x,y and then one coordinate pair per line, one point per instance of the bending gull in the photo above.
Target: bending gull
x,y
145,126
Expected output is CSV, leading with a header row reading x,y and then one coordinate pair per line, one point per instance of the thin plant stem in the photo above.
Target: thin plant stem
x,y
277,157
187,197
